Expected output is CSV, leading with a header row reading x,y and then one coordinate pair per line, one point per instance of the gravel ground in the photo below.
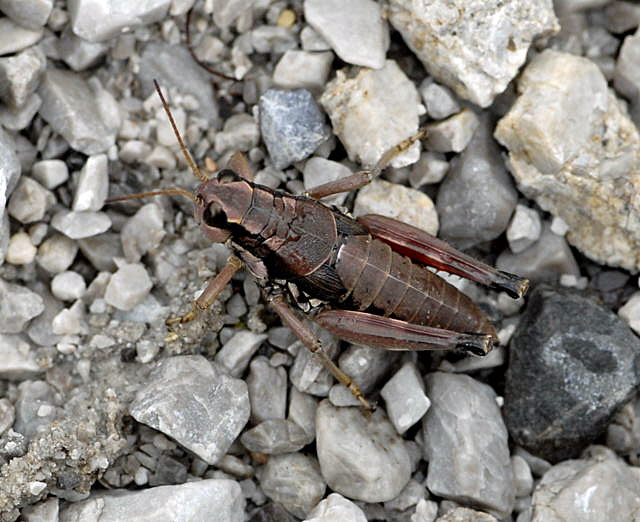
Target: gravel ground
x,y
531,164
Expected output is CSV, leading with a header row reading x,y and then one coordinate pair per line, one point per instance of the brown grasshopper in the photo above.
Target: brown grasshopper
x,y
368,271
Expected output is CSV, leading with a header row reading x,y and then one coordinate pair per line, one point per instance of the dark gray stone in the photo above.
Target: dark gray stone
x,y
291,124
573,364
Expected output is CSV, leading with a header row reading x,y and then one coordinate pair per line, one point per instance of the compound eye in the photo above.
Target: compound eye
x,y
227,176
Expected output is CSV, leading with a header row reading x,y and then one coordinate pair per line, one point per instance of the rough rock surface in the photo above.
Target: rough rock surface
x,y
476,47
574,150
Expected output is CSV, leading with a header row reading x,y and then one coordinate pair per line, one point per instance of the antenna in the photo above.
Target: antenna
x,y
183,148
179,192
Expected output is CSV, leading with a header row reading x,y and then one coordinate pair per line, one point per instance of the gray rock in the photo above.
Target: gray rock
x,y
32,15
366,366
465,441
71,321
477,197
630,312
600,488
102,249
21,250
56,253
10,169
29,201
50,173
236,353
142,232
20,76
546,260
356,31
572,365
474,49
274,437
568,139
7,414
452,134
404,397
17,360
302,70
405,204
318,171
302,411
522,476
43,511
18,305
174,68
307,373
40,329
105,20
336,508
627,73
212,499
14,38
430,168
18,119
128,286
438,99
78,225
372,111
291,124
240,134
4,235
361,458
193,402
293,480
93,184
77,111
34,408
78,53
68,286
463,514
621,16
267,390
524,229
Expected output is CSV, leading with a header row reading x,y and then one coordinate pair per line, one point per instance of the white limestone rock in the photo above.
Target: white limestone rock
x,y
372,111
474,47
574,150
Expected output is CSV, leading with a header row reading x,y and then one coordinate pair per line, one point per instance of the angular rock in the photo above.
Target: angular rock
x,y
78,53
240,134
98,21
142,232
476,49
398,202
404,397
50,173
336,508
361,458
302,70
630,312
293,480
600,488
465,440
29,201
318,171
71,321
291,124
236,353
10,168
73,109
524,229
302,411
622,16
365,365
102,249
267,390
626,78
174,68
79,225
463,514
34,408
18,119
128,286
212,499
93,184
274,437
477,197
573,363
193,402
32,15
577,154
68,286
452,134
439,101
21,250
356,31
18,305
17,360
40,329
372,111
20,75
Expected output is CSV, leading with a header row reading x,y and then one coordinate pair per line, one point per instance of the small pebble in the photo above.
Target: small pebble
x,y
524,229
93,184
18,305
452,134
142,232
78,53
630,312
274,437
32,15
438,99
267,390
79,225
236,353
302,69
240,134
318,171
430,168
128,286
29,201
71,321
20,75
50,173
336,508
17,359
56,253
14,37
405,398
68,286
21,250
